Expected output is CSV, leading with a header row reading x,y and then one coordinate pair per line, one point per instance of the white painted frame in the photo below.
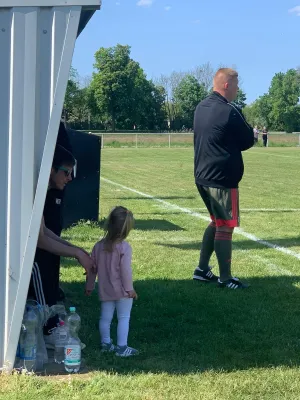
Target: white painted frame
x,y
36,46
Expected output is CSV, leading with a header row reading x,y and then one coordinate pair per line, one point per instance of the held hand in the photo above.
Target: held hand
x,y
87,292
132,294
86,261
83,250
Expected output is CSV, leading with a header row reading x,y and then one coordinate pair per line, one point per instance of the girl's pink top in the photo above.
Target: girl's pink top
x,y
113,270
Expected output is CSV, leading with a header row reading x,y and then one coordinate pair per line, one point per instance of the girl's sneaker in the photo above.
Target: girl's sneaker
x,y
126,351
107,347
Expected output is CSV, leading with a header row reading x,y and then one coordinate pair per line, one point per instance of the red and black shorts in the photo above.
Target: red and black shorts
x,y
222,205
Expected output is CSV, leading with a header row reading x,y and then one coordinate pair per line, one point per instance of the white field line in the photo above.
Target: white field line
x,y
239,231
259,209
272,268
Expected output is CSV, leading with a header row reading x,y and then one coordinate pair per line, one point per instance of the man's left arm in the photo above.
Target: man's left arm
x,y
243,132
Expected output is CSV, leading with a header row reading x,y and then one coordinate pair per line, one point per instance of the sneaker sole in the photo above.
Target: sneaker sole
x,y
238,288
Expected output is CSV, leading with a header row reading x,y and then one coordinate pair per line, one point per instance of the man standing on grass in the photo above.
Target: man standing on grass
x,y
265,136
221,133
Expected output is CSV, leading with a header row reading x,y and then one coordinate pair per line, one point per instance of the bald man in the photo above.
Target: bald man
x,y
221,133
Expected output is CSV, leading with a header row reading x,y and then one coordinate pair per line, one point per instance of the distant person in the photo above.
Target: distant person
x,y
265,136
112,256
255,133
221,133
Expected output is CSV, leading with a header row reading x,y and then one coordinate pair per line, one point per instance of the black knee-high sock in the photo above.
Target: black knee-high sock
x,y
223,249
207,247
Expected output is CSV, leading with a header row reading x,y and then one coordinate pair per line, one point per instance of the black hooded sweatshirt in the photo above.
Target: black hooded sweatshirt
x,y
221,133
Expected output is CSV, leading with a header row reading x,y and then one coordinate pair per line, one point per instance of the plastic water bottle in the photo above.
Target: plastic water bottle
x,y
72,354
73,322
61,340
28,340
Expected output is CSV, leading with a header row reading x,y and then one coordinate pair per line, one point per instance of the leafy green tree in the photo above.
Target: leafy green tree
x,y
187,95
122,92
284,95
241,99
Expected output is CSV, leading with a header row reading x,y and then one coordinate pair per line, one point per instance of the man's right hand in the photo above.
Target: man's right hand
x,y
85,260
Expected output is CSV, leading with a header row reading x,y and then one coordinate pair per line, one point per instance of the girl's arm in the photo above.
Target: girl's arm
x,y
126,272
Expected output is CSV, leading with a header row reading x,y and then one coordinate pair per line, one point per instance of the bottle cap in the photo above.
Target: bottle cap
x,y
72,309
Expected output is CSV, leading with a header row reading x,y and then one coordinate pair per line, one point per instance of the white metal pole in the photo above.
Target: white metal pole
x,y
5,45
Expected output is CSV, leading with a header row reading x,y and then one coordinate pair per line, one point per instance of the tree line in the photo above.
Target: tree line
x,y
279,108
119,96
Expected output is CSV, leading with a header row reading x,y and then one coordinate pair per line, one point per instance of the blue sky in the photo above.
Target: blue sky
x,y
259,37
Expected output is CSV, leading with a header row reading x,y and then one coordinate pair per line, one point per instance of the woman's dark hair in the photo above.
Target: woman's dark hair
x,y
62,157
117,227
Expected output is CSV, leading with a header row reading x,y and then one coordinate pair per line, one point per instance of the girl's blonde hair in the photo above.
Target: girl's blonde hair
x,y
117,227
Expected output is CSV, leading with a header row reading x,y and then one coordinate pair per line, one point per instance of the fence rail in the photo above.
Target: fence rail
x,y
142,140
179,140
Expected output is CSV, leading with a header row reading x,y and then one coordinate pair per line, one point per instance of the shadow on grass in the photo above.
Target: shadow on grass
x,y
152,225
156,224
183,326
182,246
139,224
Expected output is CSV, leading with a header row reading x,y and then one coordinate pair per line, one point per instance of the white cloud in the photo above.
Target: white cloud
x,y
168,8
144,3
196,21
295,10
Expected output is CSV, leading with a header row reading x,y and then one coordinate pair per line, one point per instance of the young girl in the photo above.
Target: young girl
x,y
112,256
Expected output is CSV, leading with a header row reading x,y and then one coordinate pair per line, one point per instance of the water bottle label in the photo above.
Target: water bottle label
x,y
62,336
72,355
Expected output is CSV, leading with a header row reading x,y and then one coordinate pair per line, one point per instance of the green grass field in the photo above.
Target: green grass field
x,y
196,341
